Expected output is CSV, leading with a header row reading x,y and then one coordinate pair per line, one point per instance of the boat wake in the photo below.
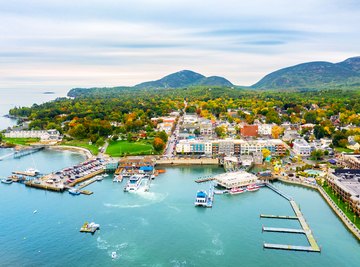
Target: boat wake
x,y
104,245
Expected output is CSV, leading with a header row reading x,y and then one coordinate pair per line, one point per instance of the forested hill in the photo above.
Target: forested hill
x,y
181,79
314,75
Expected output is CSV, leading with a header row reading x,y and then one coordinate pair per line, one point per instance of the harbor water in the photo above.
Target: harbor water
x,y
160,227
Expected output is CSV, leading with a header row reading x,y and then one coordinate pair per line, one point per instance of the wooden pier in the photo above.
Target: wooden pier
x,y
278,217
289,247
283,230
86,183
203,180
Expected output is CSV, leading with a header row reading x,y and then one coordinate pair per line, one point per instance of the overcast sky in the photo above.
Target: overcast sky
x,y
53,44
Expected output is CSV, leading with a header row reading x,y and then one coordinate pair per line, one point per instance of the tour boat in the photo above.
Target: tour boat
x,y
6,181
235,191
133,184
201,199
252,187
74,191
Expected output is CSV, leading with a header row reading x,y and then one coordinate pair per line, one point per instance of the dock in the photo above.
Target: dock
x,y
289,247
86,177
24,173
278,217
86,183
203,180
283,230
305,229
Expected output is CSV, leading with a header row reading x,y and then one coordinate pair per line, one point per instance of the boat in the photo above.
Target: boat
x,y
113,255
32,172
99,178
90,227
6,181
133,184
201,199
220,192
152,177
235,191
252,187
74,191
118,178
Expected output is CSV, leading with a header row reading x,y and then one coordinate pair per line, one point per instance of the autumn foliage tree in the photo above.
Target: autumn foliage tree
x,y
158,144
276,131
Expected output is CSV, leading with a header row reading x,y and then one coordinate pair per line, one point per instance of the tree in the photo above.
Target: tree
x,y
1,137
339,135
317,154
310,117
319,131
276,131
163,136
100,142
266,152
78,131
115,137
220,131
158,144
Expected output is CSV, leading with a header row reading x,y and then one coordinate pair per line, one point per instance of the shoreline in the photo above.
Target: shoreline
x,y
76,149
339,213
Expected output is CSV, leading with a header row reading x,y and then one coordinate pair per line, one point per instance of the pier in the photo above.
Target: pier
x,y
23,152
203,180
305,229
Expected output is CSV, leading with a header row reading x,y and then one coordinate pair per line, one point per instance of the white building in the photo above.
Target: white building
x,y
235,179
301,148
265,129
42,134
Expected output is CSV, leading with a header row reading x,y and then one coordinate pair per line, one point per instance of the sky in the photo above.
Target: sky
x,y
58,45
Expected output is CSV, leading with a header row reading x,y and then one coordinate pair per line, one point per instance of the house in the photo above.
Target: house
x,y
249,130
301,148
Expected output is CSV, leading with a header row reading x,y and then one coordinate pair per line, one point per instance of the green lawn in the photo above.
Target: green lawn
x,y
342,205
119,148
82,143
343,149
21,141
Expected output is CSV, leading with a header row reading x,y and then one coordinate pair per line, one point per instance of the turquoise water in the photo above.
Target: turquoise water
x,y
160,227
314,172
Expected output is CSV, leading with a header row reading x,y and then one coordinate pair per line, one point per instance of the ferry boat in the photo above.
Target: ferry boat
x,y
133,184
74,191
252,187
235,191
6,181
201,199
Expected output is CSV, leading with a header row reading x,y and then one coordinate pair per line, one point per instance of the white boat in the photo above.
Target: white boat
x,y
74,191
32,172
133,184
113,255
201,199
235,191
6,181
252,187
99,178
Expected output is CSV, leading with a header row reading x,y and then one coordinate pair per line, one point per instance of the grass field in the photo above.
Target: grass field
x,y
119,148
21,141
343,149
342,205
85,144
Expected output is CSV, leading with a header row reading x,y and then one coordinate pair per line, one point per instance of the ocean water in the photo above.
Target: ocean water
x,y
161,227
10,98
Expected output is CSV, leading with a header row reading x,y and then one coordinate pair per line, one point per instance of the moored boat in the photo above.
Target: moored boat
x,y
99,178
201,199
235,191
74,191
6,181
133,184
252,187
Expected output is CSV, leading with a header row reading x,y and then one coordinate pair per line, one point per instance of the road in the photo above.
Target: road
x,y
169,151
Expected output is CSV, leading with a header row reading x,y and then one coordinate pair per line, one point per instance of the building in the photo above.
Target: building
x,y
265,129
206,128
44,135
301,148
235,179
351,161
249,130
346,184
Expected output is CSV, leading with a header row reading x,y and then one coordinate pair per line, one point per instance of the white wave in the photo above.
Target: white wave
x,y
124,206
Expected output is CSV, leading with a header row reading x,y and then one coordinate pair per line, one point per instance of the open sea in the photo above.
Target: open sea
x,y
160,227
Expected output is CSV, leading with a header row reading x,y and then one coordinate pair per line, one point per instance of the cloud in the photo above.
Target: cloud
x,y
93,43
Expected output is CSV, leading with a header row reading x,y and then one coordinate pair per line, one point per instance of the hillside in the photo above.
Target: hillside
x,y
185,78
314,75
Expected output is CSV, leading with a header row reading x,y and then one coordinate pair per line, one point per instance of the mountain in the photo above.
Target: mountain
x,y
185,78
314,75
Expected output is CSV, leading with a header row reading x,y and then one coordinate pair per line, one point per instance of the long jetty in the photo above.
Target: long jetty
x,y
22,152
305,229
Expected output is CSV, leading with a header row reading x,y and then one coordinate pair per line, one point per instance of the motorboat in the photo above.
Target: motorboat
x,y
99,178
252,187
32,172
133,184
235,191
6,181
113,255
74,191
201,199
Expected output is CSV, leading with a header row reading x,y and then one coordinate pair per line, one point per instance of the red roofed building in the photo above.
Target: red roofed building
x,y
249,131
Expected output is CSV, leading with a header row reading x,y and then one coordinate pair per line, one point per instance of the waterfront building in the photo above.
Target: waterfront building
x,y
301,147
44,135
351,161
235,179
346,183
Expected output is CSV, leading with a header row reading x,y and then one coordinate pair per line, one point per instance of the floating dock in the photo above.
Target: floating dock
x,y
289,247
202,180
24,173
314,247
283,230
278,217
86,183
